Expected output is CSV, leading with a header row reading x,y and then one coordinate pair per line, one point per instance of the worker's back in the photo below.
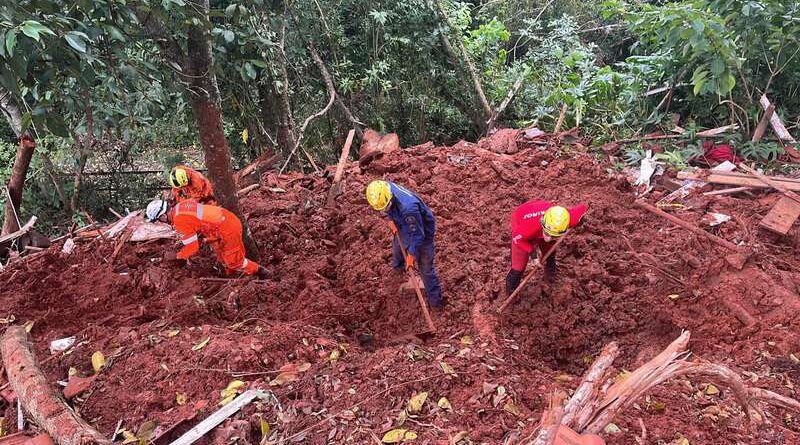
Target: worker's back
x,y
203,218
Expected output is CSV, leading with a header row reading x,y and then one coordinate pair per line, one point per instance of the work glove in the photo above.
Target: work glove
x,y
411,263
392,227
512,281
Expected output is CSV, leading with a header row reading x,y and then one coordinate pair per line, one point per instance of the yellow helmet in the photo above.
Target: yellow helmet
x,y
379,195
178,177
555,221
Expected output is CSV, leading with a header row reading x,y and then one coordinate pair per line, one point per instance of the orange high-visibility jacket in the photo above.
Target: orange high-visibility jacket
x,y
198,189
219,226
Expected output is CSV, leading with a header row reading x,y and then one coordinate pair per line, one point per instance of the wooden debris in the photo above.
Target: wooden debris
x,y
739,179
336,187
769,182
762,124
122,240
34,391
22,231
782,216
211,422
247,189
561,115
710,133
677,221
728,191
551,420
775,121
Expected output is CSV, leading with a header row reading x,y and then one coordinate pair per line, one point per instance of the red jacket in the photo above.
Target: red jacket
x,y
526,223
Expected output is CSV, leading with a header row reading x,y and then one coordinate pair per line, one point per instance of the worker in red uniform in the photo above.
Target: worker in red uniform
x,y
216,225
536,224
188,184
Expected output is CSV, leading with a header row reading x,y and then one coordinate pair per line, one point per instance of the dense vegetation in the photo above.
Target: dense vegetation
x,y
115,85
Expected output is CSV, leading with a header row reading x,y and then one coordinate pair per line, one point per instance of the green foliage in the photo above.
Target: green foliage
x,y
761,151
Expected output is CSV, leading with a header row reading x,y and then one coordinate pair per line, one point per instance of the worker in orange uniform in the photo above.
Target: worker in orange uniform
x,y
188,184
217,225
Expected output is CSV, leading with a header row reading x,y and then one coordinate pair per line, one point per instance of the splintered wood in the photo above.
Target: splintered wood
x,y
594,404
782,216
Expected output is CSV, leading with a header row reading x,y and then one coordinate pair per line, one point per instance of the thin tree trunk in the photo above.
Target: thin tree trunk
x,y
83,154
51,172
19,171
357,124
286,140
204,98
473,72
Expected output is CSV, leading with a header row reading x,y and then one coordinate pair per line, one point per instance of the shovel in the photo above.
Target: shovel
x,y
513,297
415,280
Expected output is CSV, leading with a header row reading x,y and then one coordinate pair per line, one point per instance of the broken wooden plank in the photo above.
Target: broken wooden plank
x,y
22,231
782,216
762,124
739,179
679,222
211,422
776,122
728,191
337,177
768,181
710,133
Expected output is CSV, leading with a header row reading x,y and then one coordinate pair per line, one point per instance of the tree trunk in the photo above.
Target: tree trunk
x,y
84,148
204,98
16,183
473,72
286,141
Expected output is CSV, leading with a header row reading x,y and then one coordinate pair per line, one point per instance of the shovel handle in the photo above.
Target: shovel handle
x,y
415,279
511,298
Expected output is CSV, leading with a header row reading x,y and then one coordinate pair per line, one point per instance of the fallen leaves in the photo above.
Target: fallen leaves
x,y
181,398
510,407
398,435
711,390
201,344
416,402
289,372
444,404
231,391
447,369
98,361
265,429
612,428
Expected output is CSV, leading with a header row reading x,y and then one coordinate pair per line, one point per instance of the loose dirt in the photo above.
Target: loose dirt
x,y
332,284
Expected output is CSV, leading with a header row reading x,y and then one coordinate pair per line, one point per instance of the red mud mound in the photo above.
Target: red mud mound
x,y
172,341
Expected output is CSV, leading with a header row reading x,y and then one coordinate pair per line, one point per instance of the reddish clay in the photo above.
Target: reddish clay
x,y
333,283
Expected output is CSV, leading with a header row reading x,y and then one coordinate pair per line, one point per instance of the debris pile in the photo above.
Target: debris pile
x,y
328,335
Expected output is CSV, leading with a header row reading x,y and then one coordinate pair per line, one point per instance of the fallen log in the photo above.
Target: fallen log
x,y
677,221
48,409
552,418
22,231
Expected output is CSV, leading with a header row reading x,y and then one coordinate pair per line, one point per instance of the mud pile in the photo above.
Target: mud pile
x,y
625,275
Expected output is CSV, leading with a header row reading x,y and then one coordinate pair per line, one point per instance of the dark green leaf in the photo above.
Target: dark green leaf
x,y
717,66
259,63
34,29
56,125
230,10
228,35
251,72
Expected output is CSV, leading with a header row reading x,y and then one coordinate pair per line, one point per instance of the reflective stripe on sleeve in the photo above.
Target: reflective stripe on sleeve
x,y
200,211
190,240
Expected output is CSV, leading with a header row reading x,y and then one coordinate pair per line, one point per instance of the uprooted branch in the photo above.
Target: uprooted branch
x,y
46,408
591,407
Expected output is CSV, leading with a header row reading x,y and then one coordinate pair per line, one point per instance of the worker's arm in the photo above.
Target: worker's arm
x,y
576,214
412,231
191,245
